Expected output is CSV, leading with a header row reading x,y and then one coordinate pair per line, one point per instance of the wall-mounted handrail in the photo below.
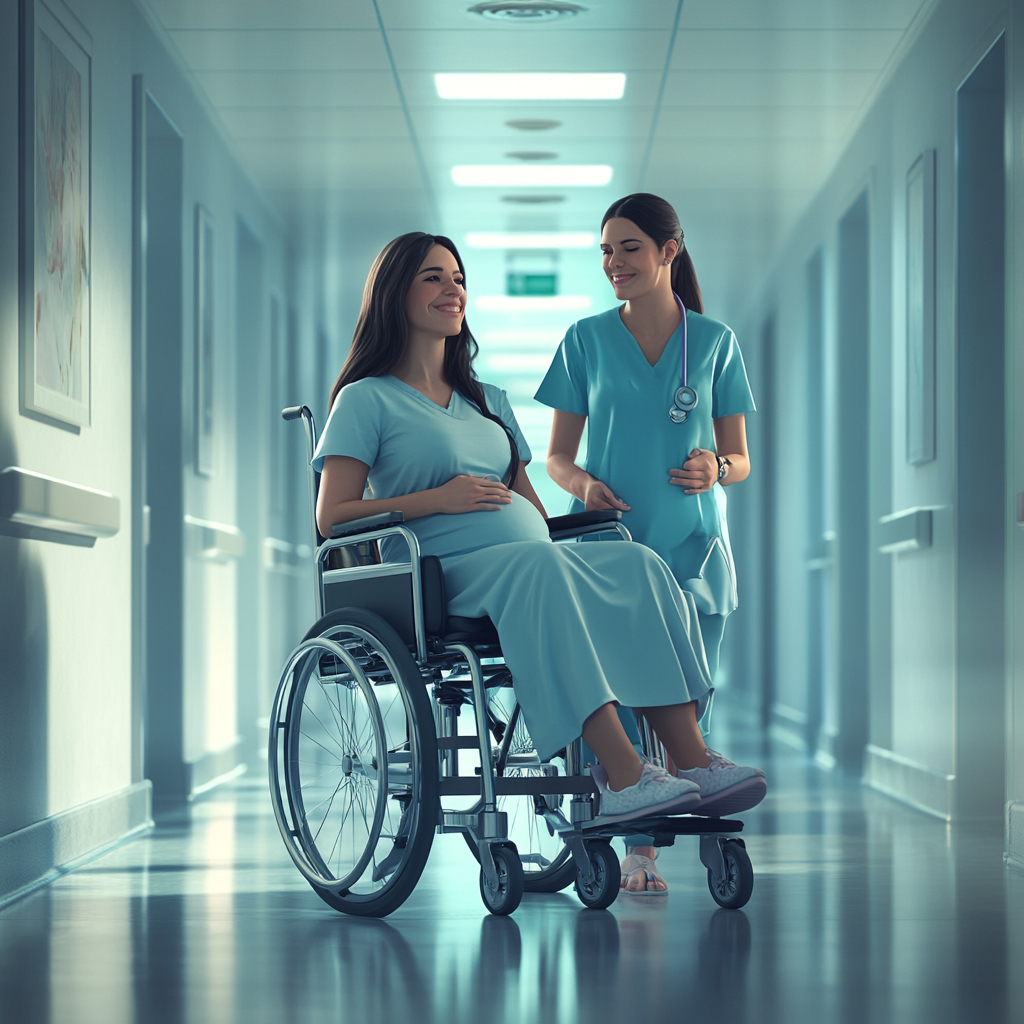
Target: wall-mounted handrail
x,y
215,542
909,530
59,510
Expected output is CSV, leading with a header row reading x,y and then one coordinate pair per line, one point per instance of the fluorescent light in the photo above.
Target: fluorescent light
x,y
551,240
516,303
529,85
520,175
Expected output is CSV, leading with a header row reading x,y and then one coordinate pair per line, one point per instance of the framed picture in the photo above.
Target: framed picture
x,y
921,309
55,125
203,355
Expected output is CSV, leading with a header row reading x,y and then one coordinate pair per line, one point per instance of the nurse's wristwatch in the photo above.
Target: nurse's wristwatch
x,y
723,467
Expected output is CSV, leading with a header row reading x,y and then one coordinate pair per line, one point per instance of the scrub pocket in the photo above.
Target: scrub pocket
x,y
714,586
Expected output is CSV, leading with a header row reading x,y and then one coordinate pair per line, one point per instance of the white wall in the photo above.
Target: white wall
x,y
65,612
912,681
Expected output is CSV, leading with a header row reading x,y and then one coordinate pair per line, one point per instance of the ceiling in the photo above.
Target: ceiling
x,y
757,99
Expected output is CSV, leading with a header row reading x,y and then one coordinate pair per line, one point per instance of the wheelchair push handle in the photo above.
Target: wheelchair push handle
x,y
293,412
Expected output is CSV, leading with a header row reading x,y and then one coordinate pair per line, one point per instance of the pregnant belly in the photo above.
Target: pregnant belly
x,y
444,535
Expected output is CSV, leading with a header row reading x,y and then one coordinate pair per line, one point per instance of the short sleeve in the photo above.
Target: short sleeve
x,y
353,428
565,385
730,389
499,405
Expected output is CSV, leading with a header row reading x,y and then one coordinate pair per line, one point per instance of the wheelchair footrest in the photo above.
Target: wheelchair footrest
x,y
664,830
549,785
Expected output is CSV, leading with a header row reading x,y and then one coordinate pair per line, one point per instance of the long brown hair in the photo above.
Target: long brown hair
x,y
382,329
656,218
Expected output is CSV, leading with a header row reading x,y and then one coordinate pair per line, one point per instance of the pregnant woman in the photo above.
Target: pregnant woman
x,y
666,393
583,627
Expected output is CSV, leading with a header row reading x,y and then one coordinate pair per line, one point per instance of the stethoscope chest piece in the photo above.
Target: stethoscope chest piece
x,y
685,399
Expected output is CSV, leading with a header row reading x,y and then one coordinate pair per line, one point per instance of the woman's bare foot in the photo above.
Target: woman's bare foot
x,y
639,873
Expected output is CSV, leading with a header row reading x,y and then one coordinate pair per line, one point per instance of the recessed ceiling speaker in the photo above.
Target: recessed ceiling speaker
x,y
531,154
533,124
526,12
533,200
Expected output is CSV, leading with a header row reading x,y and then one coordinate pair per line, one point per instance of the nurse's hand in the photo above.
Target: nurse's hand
x,y
471,494
699,472
599,495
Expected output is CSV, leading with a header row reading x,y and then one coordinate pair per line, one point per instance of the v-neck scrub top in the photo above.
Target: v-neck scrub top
x,y
599,371
580,624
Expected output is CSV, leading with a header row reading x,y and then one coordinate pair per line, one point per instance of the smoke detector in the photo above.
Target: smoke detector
x,y
522,12
532,200
531,154
533,124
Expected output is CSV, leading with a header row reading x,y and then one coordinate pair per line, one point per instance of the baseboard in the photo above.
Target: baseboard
x,y
789,726
911,783
213,768
1015,834
36,855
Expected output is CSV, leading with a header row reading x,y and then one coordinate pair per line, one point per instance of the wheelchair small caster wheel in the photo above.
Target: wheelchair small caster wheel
x,y
601,891
506,897
733,891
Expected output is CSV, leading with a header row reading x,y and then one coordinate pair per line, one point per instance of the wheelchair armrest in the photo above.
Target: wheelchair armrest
x,y
565,526
366,524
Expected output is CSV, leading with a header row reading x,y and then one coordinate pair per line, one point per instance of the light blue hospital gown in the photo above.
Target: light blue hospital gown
x,y
600,372
580,624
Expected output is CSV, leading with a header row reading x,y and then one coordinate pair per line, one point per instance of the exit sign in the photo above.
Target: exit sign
x,y
532,284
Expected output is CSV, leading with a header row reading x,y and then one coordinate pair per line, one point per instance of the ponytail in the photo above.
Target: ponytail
x,y
684,280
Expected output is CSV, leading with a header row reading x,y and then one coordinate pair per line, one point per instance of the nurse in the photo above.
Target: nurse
x,y
666,393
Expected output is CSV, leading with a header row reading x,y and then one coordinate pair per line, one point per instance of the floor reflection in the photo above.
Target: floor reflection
x,y
863,911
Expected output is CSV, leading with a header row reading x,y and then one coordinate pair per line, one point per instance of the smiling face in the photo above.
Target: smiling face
x,y
436,301
634,262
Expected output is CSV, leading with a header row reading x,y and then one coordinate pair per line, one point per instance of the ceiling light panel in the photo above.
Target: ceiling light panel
x,y
529,86
547,240
532,175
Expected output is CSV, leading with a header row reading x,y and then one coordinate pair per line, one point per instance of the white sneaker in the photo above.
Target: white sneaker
x,y
657,792
725,787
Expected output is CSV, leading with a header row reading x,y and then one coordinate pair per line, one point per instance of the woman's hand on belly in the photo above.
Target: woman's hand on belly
x,y
471,494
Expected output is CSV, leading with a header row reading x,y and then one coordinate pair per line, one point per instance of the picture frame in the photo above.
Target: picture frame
x,y
920,398
55,200
204,346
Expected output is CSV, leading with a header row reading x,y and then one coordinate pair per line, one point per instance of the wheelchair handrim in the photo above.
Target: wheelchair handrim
x,y
415,807
294,681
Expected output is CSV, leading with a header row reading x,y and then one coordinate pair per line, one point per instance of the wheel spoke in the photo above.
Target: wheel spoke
x,y
317,742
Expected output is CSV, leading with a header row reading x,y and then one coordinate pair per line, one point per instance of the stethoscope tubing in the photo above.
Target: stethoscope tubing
x,y
684,400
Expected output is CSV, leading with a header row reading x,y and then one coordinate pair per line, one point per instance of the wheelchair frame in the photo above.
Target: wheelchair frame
x,y
584,833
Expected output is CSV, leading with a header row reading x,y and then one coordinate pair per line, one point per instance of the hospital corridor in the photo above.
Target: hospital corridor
x,y
511,511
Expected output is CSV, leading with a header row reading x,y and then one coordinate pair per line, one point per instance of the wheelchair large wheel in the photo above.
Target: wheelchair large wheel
x,y
353,764
547,863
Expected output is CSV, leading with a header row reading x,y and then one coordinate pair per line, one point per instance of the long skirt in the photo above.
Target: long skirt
x,y
582,625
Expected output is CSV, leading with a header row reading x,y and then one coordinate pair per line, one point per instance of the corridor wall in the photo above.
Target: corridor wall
x,y
911,682
71,703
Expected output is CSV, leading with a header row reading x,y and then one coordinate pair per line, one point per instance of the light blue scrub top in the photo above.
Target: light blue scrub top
x,y
413,444
600,372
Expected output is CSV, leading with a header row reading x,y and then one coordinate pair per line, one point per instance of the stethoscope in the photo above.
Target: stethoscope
x,y
684,401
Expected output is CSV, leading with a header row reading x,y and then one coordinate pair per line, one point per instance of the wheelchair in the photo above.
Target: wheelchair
x,y
365,742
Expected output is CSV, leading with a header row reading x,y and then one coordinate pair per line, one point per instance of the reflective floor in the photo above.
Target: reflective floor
x,y
863,911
